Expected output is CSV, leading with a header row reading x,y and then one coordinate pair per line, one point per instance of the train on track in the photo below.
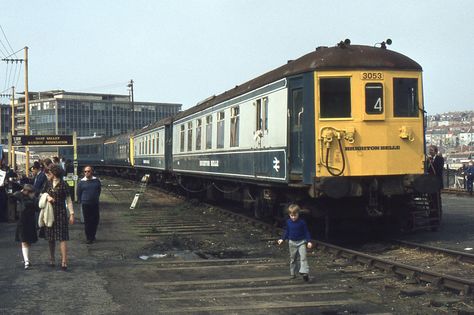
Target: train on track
x,y
339,130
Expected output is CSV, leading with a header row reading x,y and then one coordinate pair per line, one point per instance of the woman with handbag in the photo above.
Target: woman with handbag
x,y
58,192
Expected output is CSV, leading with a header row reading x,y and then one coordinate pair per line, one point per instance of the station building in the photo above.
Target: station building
x,y
5,122
60,112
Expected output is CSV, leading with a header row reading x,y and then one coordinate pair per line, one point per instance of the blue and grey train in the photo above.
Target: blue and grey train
x,y
339,130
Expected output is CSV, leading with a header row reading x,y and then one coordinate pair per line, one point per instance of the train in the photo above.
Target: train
x,y
339,131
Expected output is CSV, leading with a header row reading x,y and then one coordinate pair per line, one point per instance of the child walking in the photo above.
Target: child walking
x,y
26,227
297,233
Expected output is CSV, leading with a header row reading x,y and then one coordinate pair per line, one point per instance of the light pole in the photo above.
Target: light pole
x,y
130,86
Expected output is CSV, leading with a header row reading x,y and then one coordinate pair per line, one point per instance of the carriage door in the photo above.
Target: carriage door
x,y
295,119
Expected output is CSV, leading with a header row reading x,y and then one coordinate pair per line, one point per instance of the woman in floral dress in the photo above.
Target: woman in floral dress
x,y
58,192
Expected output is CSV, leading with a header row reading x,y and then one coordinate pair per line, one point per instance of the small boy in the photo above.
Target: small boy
x,y
297,233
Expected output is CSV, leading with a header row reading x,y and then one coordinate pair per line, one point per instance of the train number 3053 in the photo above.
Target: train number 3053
x,y
371,76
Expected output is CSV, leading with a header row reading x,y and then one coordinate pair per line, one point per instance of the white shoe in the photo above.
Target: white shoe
x,y
27,265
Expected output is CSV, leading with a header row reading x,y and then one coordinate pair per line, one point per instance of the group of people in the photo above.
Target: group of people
x,y
467,172
46,203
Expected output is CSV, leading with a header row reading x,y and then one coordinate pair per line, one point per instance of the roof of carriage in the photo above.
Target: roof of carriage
x,y
340,57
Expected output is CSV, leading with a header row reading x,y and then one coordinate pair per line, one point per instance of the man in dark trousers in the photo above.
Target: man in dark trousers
x,y
88,193
435,164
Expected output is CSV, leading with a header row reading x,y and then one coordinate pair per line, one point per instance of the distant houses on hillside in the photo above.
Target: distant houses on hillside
x,y
451,132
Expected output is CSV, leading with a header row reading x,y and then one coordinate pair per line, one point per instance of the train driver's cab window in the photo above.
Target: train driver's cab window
x,y
181,138
405,97
208,132
234,126
220,130
374,98
335,97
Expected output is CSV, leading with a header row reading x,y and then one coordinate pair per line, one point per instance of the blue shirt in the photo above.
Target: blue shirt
x,y
296,230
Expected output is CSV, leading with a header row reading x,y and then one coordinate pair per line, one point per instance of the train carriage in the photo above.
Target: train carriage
x,y
150,144
339,130
117,151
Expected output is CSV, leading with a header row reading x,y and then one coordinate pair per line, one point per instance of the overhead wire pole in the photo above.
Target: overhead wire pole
x,y
130,85
12,133
27,107
27,113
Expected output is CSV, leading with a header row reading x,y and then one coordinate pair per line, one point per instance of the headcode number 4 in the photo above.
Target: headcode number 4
x,y
378,105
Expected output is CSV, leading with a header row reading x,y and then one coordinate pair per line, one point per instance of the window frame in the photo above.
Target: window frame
x,y
234,126
417,97
320,101
220,134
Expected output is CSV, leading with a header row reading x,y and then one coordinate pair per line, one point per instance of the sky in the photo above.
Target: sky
x,y
181,51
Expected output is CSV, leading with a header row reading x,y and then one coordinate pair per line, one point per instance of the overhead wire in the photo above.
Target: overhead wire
x,y
19,72
8,42
1,51
6,75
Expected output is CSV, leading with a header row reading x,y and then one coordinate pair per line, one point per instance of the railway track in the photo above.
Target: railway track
x,y
207,271
461,284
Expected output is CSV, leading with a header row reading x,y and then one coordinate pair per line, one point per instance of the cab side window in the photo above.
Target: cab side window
x,y
405,97
335,97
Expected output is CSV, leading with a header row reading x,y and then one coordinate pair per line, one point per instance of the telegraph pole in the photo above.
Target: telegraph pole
x,y
27,113
130,85
12,152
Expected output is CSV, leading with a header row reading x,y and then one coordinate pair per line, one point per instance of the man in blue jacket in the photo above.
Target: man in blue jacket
x,y
88,193
39,177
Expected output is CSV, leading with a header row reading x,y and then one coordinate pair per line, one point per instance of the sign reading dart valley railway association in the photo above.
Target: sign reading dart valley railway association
x,y
55,140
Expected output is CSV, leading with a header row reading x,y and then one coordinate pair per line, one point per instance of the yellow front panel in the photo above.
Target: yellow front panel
x,y
132,152
381,144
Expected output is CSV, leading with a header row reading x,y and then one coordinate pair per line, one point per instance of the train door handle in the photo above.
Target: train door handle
x,y
299,116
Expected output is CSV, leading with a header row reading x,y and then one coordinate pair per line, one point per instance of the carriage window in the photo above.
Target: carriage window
x,y
149,145
209,132
190,136
335,95
234,126
220,130
261,108
374,98
157,139
198,134
181,139
153,150
405,97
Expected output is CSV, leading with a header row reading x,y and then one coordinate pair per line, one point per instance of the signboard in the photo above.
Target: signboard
x,y
50,140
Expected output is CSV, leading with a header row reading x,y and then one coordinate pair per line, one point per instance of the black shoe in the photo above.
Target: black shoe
x,y
89,241
27,265
306,277
63,267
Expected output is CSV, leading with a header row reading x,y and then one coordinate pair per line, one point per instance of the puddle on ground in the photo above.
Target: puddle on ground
x,y
180,254
195,255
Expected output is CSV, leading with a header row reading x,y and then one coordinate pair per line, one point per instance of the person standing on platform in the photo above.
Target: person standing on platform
x,y
58,195
435,164
26,226
470,177
3,194
39,179
88,194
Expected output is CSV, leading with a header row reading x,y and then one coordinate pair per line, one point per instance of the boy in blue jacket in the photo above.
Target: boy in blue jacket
x,y
297,233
